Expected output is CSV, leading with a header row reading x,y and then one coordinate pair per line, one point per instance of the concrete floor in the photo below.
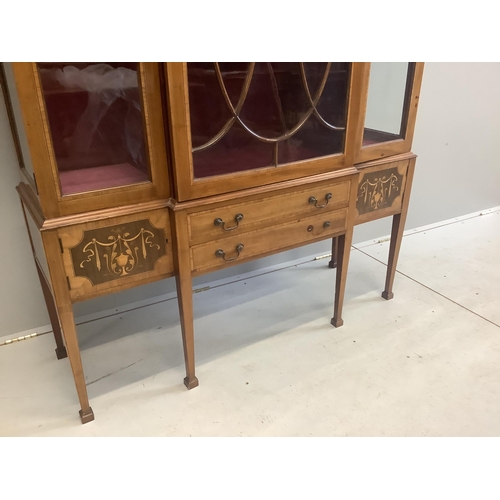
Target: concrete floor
x,y
426,363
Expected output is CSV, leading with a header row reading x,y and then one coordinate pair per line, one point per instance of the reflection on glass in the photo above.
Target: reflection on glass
x,y
388,101
95,118
15,107
252,115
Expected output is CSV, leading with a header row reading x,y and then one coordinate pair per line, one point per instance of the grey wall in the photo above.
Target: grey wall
x,y
21,300
386,94
458,172
456,138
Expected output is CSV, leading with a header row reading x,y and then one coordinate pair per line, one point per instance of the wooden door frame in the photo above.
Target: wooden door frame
x,y
389,148
43,157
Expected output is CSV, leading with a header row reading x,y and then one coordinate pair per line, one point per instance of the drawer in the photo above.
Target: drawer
x,y
235,218
238,248
117,252
380,190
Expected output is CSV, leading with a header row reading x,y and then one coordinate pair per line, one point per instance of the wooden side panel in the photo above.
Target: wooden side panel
x,y
116,253
380,191
37,245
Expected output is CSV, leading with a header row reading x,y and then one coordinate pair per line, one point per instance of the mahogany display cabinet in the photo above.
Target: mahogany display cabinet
x,y
135,172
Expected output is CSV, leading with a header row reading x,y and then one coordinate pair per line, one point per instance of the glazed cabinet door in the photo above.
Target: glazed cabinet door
x,y
95,133
389,109
241,125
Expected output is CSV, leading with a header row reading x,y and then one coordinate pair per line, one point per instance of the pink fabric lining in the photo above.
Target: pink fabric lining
x,y
96,178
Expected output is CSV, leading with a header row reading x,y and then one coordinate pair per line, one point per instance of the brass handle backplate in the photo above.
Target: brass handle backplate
x,y
313,201
220,223
220,253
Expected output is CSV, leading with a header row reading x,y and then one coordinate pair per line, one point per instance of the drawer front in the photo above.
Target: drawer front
x,y
250,215
380,190
116,252
238,248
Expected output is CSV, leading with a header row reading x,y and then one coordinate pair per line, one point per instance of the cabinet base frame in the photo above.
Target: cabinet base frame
x,y
397,230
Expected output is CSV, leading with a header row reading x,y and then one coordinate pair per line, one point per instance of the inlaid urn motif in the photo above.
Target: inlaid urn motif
x,y
113,252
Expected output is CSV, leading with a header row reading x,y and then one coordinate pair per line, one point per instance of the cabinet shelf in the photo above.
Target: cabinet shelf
x,y
86,180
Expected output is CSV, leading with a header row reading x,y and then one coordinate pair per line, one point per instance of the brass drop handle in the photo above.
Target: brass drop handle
x,y
313,201
220,223
220,253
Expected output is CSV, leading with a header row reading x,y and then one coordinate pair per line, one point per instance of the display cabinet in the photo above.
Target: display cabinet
x,y
133,172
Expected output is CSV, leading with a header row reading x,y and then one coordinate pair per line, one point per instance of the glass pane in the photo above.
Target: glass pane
x,y
25,159
252,115
389,94
94,112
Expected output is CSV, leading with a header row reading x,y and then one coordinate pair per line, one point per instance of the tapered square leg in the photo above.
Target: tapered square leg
x,y
69,329
52,310
398,227
185,300
333,260
185,295
63,311
344,251
61,352
394,247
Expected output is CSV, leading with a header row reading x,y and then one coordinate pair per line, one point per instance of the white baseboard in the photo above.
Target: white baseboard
x,y
435,225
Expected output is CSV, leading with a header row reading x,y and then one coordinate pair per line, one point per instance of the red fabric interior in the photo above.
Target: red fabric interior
x,y
95,178
215,162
